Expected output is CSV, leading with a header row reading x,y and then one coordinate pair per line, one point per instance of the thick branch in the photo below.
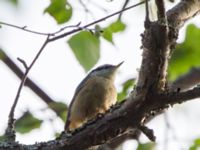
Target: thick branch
x,y
114,123
155,44
175,98
185,10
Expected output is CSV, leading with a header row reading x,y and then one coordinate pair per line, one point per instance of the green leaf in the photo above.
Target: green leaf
x,y
186,54
60,10
195,145
114,27
86,48
127,87
59,107
26,123
146,146
98,31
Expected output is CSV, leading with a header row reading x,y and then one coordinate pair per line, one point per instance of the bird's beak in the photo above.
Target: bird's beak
x,y
117,66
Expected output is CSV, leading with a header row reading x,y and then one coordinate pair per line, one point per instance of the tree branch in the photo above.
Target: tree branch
x,y
161,11
186,81
156,47
10,133
29,83
183,11
93,23
123,7
113,123
139,106
175,97
24,28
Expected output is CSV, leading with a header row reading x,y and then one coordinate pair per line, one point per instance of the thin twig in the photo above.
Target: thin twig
x,y
23,63
86,10
98,6
92,23
124,6
62,29
84,6
24,28
11,114
29,83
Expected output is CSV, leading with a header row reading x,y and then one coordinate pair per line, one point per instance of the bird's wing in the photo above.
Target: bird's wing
x,y
79,87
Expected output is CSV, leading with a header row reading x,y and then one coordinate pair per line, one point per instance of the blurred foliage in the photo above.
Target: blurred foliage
x,y
12,2
187,54
2,54
57,134
27,122
114,27
60,10
59,107
15,2
195,145
98,31
86,48
2,138
127,86
146,146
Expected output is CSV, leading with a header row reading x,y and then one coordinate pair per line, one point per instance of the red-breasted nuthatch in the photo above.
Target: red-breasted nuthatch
x,y
94,95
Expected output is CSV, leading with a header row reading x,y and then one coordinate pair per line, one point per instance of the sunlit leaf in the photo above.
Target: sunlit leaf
x,y
27,122
114,27
127,86
61,108
146,146
60,10
86,48
186,54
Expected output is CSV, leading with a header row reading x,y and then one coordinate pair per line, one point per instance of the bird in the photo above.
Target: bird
x,y
94,95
